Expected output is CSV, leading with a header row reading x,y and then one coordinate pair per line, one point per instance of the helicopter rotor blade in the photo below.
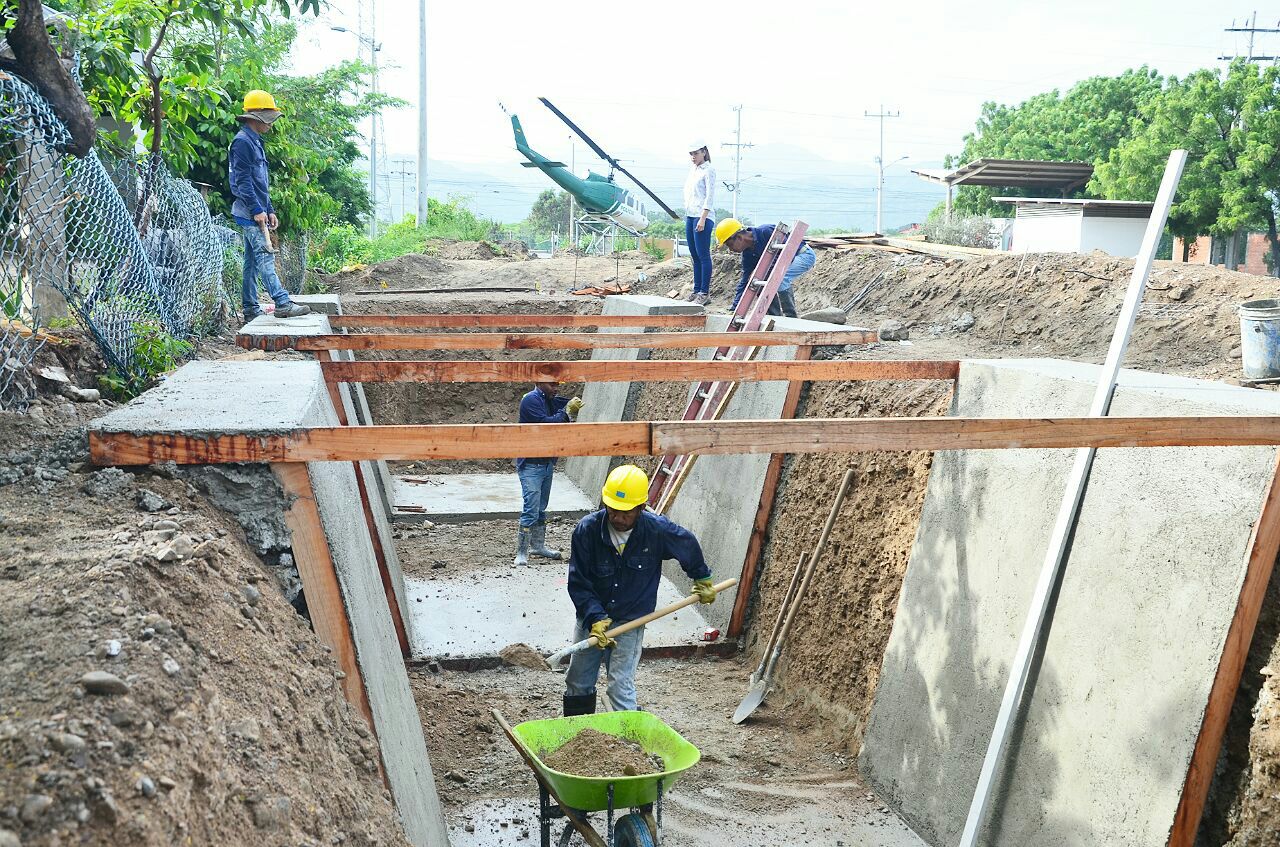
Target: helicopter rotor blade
x,y
613,163
646,190
596,147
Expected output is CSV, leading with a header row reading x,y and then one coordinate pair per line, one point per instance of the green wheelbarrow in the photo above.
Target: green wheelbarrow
x,y
574,796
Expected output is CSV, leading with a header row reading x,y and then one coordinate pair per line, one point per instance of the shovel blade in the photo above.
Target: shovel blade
x,y
751,702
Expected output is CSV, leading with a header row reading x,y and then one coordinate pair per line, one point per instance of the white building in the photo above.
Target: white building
x,y
1043,225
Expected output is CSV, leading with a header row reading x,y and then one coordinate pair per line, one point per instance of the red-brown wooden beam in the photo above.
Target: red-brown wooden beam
x,y
516,321
678,370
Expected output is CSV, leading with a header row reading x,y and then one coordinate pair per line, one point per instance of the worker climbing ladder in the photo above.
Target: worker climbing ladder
x,y
710,397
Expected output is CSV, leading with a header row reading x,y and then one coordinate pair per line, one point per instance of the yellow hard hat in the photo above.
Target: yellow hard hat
x,y
259,99
726,229
626,488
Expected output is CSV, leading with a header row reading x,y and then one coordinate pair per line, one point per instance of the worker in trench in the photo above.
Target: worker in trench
x,y
750,242
542,405
615,564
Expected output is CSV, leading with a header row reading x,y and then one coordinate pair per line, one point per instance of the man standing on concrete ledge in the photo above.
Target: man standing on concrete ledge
x,y
541,405
615,565
750,242
247,167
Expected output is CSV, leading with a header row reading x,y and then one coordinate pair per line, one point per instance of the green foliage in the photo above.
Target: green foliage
x,y
1230,129
155,352
963,231
343,245
550,213
665,228
1084,125
655,252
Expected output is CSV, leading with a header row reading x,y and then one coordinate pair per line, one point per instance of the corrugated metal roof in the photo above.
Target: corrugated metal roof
x,y
1014,173
1089,207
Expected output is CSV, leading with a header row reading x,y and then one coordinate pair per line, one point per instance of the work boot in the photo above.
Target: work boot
x,y
293,310
522,548
538,543
702,299
582,704
691,296
787,302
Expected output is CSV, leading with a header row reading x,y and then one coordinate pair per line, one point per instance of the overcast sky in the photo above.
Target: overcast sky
x,y
644,79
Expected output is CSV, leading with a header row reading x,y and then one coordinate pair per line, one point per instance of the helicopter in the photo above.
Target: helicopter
x,y
603,200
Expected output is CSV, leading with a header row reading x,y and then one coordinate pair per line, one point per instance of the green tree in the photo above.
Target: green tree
x,y
1084,125
550,213
1230,130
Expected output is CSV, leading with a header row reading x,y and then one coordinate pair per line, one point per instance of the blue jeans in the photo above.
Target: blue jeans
x,y
700,253
619,661
535,488
802,263
258,261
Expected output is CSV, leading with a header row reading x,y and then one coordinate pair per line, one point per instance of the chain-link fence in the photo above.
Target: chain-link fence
x,y
123,245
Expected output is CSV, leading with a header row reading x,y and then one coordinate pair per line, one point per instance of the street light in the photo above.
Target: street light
x,y
734,187
880,191
373,127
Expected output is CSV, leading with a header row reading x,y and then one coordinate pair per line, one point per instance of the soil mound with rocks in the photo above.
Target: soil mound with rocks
x,y
596,754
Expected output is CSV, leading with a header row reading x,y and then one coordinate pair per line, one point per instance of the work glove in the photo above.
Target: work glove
x,y
705,590
598,629
573,407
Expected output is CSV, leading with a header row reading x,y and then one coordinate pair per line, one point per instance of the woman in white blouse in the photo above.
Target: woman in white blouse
x,y
699,200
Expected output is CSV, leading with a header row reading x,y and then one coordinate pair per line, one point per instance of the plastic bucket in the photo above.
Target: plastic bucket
x,y
1260,338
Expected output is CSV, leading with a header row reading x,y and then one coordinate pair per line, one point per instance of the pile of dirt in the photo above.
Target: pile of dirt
x,y
521,655
157,687
596,754
413,270
468,250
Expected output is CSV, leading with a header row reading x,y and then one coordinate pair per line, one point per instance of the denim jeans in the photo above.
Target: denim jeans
x,y
258,261
620,662
535,488
700,252
802,263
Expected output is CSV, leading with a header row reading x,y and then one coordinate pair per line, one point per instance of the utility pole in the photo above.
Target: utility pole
x,y
422,113
369,40
737,146
1253,29
573,163
882,114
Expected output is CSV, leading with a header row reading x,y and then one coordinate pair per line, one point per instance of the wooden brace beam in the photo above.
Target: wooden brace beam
x,y
550,340
817,435
535,321
679,370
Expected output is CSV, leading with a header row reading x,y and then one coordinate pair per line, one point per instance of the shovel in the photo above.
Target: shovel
x,y
758,673
761,686
555,658
266,235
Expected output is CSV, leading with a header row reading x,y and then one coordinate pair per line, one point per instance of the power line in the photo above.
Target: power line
x,y
737,146
881,115
1253,29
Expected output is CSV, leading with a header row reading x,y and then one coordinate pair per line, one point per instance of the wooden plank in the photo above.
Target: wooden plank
x,y
649,370
332,386
1263,548
816,435
548,340
320,582
764,511
380,555
536,321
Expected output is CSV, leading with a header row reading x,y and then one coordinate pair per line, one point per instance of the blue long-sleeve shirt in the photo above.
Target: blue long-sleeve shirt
x,y
604,583
247,173
536,407
751,256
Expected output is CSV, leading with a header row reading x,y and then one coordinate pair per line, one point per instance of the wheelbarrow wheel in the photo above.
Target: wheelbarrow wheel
x,y
632,831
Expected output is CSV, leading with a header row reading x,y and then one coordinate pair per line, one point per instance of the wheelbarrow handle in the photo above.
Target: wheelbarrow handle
x,y
620,629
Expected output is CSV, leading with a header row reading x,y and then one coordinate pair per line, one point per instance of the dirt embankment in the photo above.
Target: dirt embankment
x,y
155,686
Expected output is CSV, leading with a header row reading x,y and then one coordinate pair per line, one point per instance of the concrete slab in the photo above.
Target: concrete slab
x,y
268,325
720,494
325,304
476,614
461,498
612,401
1102,747
262,397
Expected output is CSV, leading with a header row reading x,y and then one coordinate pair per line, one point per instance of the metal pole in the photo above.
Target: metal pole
x,y
373,122
573,164
1056,556
422,113
737,161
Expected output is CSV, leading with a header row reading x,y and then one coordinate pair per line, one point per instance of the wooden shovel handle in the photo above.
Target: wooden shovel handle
x,y
266,235
660,613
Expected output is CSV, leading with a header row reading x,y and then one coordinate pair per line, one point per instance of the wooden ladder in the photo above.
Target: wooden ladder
x,y
710,397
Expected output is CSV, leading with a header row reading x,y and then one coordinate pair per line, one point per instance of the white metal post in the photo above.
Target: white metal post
x,y
373,120
422,113
1056,555
737,160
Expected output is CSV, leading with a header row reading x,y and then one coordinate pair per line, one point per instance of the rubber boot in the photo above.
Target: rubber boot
x,y
522,548
538,543
787,300
582,704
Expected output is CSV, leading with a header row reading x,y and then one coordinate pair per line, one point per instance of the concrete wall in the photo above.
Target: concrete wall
x,y
279,396
1102,746
1114,236
721,494
611,401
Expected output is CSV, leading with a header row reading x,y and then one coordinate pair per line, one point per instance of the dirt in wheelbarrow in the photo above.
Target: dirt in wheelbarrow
x,y
595,754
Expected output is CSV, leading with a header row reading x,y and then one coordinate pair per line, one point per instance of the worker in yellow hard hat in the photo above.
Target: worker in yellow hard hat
x,y
750,242
615,564
252,209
